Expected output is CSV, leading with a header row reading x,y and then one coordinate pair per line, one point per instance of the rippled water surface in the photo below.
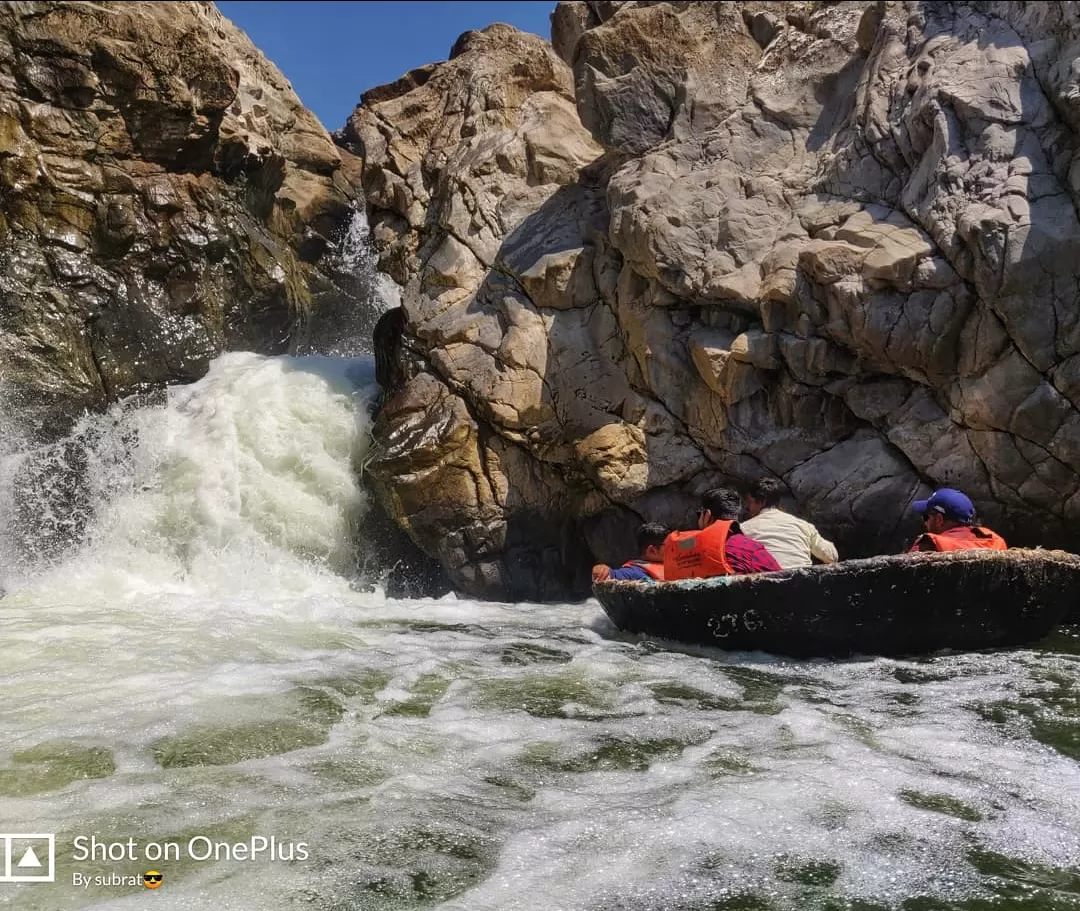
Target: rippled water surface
x,y
470,755
199,668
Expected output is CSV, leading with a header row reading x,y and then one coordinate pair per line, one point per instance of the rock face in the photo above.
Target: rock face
x,y
457,158
163,197
827,242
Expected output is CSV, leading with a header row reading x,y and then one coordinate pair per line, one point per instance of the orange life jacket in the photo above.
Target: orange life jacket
x,y
653,570
697,554
964,537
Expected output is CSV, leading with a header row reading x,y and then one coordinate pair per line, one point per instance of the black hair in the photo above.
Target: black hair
x,y
768,491
723,502
651,534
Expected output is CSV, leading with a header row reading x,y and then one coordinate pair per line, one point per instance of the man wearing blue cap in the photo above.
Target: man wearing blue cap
x,y
949,517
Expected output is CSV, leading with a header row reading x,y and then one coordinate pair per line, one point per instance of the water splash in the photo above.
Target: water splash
x,y
12,443
244,480
358,257
344,312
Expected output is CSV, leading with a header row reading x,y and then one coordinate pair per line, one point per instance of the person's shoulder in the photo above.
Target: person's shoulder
x,y
923,542
740,539
758,521
771,516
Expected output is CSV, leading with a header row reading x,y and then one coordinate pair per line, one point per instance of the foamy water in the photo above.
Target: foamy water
x,y
246,480
198,667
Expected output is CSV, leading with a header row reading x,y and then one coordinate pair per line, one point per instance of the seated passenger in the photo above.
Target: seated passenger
x,y
718,547
649,567
949,517
793,542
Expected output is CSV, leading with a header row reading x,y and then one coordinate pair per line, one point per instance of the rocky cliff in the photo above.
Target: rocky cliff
x,y
163,197
829,242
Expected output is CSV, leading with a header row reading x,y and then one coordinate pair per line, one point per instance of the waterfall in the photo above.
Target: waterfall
x,y
245,479
356,294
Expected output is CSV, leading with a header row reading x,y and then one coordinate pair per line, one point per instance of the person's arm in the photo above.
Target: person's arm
x,y
632,573
745,556
603,573
822,548
763,561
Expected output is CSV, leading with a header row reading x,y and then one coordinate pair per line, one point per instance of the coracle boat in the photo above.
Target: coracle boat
x,y
904,604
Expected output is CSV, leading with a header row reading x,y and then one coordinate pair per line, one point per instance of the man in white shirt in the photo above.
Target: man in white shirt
x,y
791,540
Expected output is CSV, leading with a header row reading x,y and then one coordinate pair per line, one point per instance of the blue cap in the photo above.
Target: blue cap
x,y
948,502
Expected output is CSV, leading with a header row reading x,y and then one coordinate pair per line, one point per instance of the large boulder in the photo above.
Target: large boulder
x,y
827,242
457,157
164,196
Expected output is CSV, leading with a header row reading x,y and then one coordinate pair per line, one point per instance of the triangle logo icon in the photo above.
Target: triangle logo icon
x,y
29,859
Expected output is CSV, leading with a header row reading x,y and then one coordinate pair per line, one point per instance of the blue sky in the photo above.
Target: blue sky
x,y
331,52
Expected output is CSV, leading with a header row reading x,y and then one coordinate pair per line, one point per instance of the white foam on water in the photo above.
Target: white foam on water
x,y
451,753
245,481
476,757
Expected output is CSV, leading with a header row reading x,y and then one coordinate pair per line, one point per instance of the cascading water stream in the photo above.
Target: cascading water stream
x,y
240,481
345,312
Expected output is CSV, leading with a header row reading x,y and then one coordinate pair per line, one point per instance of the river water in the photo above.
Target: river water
x,y
198,677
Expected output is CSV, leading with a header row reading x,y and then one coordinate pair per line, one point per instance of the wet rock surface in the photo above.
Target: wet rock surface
x,y
165,198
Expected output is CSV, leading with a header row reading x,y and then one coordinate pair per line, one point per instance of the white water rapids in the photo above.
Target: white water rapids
x,y
198,672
